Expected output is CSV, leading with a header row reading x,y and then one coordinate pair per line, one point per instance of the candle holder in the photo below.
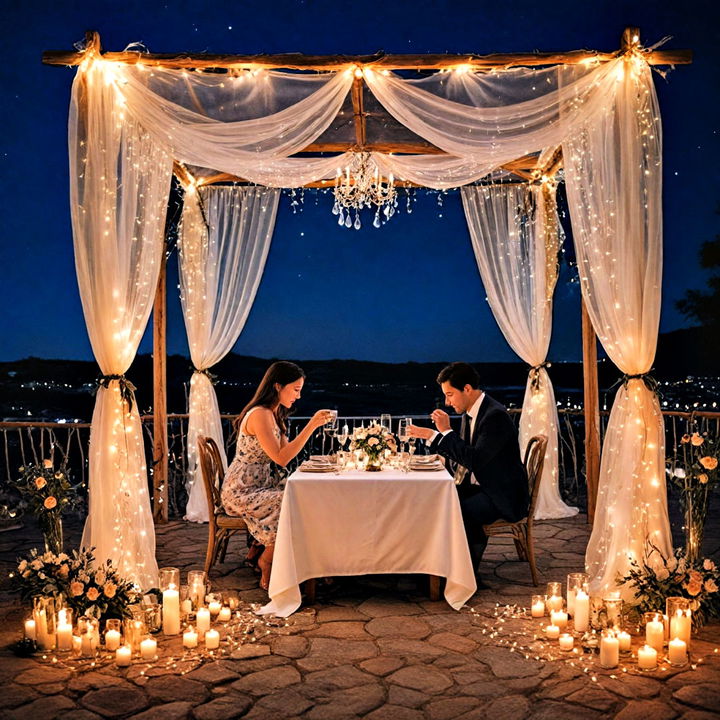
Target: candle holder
x,y
134,632
609,650
153,617
590,642
537,606
553,597
647,659
186,607
197,582
65,629
169,578
613,612
113,634
89,631
575,582
679,615
44,616
654,630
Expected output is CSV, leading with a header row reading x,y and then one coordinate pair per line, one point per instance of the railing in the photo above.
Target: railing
x,y
31,442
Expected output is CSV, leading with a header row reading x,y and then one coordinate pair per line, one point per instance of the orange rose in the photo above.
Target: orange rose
x,y
697,439
694,588
50,502
92,594
110,589
76,588
47,463
63,571
709,462
40,482
685,438
703,478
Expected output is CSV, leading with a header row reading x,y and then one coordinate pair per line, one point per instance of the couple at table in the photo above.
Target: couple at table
x,y
484,456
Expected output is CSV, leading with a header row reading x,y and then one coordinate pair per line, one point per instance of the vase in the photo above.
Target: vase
x,y
374,463
695,505
52,530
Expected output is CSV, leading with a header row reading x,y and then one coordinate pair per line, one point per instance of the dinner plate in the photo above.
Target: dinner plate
x,y
318,469
427,467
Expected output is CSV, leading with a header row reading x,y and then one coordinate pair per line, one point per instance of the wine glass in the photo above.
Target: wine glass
x,y
386,421
403,435
330,429
411,440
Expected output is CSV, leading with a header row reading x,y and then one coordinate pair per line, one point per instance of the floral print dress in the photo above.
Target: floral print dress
x,y
251,490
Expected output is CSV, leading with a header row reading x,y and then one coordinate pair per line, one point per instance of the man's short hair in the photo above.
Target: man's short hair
x,y
459,374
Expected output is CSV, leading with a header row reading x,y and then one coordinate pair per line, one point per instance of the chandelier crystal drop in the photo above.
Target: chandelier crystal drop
x,y
361,186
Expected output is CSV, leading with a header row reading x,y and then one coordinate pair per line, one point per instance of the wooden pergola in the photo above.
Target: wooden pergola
x,y
524,169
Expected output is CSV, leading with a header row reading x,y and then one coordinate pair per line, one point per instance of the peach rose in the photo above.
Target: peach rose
x,y
50,502
110,589
92,594
711,585
76,588
703,478
685,438
694,588
708,564
47,463
697,439
63,571
40,482
709,462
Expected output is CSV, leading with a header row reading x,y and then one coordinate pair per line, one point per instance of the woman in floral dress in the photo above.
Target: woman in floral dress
x,y
251,490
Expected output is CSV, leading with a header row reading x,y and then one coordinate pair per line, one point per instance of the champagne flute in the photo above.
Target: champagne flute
x,y
411,440
330,428
386,421
403,435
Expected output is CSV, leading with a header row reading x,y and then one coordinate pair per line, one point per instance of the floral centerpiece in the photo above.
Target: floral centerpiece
x,y
47,493
87,588
374,441
693,469
657,578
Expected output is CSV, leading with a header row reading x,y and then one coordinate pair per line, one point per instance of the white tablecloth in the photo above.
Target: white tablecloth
x,y
361,523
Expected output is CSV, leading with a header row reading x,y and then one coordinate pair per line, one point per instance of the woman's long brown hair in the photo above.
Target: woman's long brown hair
x,y
280,373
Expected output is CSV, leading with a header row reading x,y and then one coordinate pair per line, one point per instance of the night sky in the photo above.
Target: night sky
x,y
408,291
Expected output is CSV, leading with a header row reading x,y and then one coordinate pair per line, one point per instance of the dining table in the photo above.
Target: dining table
x,y
353,522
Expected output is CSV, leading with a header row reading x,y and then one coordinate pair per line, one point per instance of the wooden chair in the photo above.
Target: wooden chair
x,y
221,526
521,531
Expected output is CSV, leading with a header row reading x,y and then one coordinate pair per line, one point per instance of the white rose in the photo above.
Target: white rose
x,y
373,441
679,473
672,564
662,574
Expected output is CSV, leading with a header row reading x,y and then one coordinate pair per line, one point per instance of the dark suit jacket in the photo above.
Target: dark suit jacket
x,y
493,457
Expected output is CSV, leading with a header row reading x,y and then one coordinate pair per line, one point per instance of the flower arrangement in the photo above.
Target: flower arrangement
x,y
373,441
47,493
657,578
693,469
88,589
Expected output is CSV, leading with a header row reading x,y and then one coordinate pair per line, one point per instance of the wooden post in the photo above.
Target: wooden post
x,y
592,412
160,434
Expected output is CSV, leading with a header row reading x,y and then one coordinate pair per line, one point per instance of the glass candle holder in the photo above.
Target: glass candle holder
x,y
88,629
537,606
553,597
113,634
575,582
613,612
134,631
654,630
185,602
197,588
64,629
155,618
44,616
679,617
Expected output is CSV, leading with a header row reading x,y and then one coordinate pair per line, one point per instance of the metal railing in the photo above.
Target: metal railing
x,y
31,442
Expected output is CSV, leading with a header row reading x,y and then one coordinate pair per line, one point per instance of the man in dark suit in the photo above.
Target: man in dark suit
x,y
485,455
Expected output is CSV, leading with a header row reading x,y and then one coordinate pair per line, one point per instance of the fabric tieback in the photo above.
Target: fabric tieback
x,y
212,378
127,389
534,373
650,382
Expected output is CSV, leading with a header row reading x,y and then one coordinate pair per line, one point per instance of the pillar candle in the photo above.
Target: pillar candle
x,y
571,601
123,656
203,621
552,632
214,607
559,618
30,629
647,658
582,611
625,640
171,611
677,652
566,642
609,651
148,649
225,614
655,635
112,640
212,639
42,636
190,638
64,636
680,626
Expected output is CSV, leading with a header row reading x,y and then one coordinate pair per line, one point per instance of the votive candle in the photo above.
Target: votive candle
x,y
655,634
112,640
537,608
123,655
214,606
212,639
609,651
625,641
552,632
77,644
680,626
647,658
566,642
559,618
677,652
225,614
190,638
203,620
64,636
148,649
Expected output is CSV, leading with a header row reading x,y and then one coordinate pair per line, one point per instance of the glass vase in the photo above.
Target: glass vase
x,y
52,530
694,505
374,463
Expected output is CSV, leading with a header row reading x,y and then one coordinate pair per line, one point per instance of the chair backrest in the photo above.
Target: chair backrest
x,y
534,461
213,473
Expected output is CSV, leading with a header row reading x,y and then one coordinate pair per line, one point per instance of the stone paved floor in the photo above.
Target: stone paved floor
x,y
371,647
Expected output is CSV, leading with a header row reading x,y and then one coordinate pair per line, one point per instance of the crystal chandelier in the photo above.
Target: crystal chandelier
x,y
359,186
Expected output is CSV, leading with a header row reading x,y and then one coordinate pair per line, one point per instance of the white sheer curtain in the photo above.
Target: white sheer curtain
x,y
613,170
514,231
221,265
119,185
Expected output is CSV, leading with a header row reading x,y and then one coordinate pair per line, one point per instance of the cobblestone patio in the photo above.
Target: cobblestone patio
x,y
372,647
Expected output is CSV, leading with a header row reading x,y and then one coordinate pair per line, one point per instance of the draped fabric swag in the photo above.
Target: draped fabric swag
x,y
221,264
514,232
248,124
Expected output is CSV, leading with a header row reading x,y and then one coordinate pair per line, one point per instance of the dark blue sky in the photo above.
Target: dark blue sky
x,y
409,291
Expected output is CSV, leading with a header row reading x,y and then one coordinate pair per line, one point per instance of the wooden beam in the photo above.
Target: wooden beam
x,y
160,433
334,63
358,114
591,405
